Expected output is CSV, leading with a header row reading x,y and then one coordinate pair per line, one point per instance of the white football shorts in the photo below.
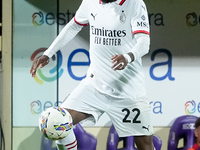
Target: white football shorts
x,y
129,117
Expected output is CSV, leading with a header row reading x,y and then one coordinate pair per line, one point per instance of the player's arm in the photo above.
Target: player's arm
x,y
140,49
141,30
67,33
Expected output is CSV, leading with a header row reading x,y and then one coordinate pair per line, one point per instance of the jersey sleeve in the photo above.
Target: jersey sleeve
x,y
81,14
139,18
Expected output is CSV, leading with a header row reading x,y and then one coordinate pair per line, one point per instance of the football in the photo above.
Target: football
x,y
55,123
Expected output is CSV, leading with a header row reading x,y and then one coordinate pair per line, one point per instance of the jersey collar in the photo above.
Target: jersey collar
x,y
119,2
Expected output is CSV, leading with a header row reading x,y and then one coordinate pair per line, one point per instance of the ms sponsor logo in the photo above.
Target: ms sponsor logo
x,y
40,77
191,107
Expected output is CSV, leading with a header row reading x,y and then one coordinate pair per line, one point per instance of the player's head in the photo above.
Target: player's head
x,y
197,129
108,1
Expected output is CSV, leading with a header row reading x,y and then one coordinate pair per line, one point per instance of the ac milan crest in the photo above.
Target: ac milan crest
x,y
122,17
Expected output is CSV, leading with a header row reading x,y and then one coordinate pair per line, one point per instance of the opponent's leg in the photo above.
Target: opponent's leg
x,y
144,142
69,142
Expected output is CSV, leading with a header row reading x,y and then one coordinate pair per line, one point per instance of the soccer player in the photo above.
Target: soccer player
x,y
196,146
114,84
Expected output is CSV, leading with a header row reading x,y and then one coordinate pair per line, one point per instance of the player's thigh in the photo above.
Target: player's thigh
x,y
85,102
78,116
131,118
144,142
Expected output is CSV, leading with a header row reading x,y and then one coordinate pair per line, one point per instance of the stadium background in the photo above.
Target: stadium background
x,y
29,26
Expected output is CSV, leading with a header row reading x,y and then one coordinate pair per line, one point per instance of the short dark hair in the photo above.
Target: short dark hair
x,y
197,123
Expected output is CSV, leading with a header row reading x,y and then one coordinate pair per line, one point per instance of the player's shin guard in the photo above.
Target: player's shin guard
x,y
68,143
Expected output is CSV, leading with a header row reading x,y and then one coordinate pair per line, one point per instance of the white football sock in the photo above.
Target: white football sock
x,y
68,143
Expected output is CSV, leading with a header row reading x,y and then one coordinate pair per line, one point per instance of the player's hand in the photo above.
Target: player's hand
x,y
119,62
40,61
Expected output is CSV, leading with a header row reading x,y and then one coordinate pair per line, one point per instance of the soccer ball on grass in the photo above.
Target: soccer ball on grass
x,y
55,123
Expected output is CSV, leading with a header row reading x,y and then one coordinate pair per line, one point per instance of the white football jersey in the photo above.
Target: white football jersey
x,y
112,29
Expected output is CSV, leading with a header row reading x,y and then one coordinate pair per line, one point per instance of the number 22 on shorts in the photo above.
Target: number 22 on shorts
x,y
128,112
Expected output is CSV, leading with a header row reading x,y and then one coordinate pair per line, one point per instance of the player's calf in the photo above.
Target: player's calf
x,y
68,143
144,142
